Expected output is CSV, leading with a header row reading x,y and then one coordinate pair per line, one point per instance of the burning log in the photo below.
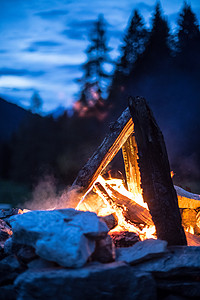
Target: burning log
x,y
119,133
156,182
132,211
130,155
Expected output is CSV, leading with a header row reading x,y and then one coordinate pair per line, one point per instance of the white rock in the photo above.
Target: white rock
x,y
69,248
63,236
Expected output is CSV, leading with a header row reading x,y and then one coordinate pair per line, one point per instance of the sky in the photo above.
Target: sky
x,y
42,43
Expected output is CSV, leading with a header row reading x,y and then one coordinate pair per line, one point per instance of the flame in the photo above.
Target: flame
x,y
172,174
145,232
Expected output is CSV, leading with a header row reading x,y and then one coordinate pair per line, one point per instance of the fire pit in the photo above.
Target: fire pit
x,y
124,239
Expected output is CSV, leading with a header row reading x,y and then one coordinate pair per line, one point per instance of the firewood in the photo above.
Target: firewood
x,y
130,156
119,133
110,220
192,239
132,211
156,182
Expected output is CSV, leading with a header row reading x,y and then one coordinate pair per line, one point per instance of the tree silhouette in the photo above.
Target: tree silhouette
x,y
95,78
134,41
188,27
158,43
36,103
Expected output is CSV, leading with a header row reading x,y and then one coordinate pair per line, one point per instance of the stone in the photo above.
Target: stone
x,y
5,231
6,213
8,245
104,251
8,292
124,238
178,261
141,251
69,248
2,253
95,281
41,264
65,236
185,288
10,268
26,254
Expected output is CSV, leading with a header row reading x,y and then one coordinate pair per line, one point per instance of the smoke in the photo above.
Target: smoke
x,y
46,195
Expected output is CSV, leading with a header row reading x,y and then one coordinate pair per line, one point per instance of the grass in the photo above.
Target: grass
x,y
13,193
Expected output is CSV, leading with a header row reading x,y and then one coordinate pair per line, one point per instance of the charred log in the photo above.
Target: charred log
x,y
156,182
119,133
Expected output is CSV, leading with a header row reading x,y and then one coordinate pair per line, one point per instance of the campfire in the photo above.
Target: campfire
x,y
145,203
121,237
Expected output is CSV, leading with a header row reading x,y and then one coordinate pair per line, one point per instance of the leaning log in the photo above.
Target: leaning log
x,y
156,182
119,133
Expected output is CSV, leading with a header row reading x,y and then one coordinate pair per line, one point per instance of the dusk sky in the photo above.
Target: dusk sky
x,y
43,42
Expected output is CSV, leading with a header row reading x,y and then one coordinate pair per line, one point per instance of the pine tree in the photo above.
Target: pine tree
x,y
95,79
188,28
159,37
134,43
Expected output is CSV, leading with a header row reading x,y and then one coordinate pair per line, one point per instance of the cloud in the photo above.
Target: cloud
x,y
20,72
144,6
37,45
50,14
78,29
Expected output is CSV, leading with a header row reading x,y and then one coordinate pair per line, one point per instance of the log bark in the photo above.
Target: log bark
x,y
119,133
156,182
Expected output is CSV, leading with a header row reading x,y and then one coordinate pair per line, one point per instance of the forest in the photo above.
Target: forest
x,y
159,63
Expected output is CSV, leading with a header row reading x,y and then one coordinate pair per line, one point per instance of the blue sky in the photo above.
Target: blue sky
x,y
42,43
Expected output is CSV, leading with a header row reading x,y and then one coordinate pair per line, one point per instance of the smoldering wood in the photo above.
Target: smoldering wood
x,y
129,151
132,211
156,182
119,133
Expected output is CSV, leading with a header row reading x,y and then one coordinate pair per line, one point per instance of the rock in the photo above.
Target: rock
x,y
178,261
41,264
124,238
69,248
2,254
8,292
185,288
26,254
96,281
10,268
173,297
5,231
110,220
66,236
6,213
104,251
141,251
8,246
